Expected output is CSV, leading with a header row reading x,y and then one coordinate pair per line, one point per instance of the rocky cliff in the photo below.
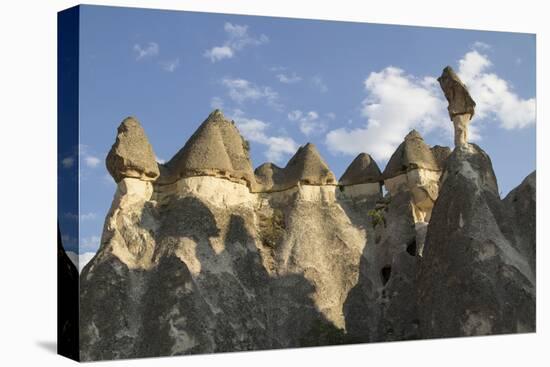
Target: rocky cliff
x,y
203,254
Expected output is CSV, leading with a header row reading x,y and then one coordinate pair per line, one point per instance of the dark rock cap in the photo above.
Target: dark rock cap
x,y
412,153
215,148
306,166
363,169
131,155
268,175
460,101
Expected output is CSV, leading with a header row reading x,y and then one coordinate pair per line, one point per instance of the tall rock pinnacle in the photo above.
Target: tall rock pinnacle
x,y
461,105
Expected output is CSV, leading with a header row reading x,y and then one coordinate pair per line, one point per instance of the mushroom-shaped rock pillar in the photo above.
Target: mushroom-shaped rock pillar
x,y
461,105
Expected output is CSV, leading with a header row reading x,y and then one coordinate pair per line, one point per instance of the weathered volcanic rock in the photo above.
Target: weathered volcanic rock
x,y
461,105
269,176
305,167
413,153
382,306
414,168
473,279
215,149
460,101
211,257
203,264
132,155
363,169
521,204
441,154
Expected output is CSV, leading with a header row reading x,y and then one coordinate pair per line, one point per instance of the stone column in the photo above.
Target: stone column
x,y
461,105
460,123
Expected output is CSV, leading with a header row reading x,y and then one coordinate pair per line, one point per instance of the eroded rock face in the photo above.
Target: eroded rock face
x,y
210,257
521,204
382,306
132,156
206,264
474,279
415,168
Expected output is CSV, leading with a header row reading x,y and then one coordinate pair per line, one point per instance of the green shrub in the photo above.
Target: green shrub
x,y
272,228
377,217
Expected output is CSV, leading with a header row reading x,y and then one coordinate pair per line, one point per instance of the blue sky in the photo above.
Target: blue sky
x,y
347,87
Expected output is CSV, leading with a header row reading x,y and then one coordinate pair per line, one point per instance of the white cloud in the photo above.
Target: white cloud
x,y
493,95
288,79
89,243
237,39
256,131
91,161
81,260
84,216
481,45
171,65
319,83
160,160
219,53
308,122
149,50
397,102
471,65
241,90
67,162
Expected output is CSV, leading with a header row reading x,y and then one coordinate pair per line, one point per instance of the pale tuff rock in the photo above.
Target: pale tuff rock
x,y
461,105
218,191
212,257
474,278
131,155
199,262
413,167
215,149
132,245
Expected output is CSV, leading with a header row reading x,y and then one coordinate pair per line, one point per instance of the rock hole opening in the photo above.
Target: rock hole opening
x,y
411,247
385,274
